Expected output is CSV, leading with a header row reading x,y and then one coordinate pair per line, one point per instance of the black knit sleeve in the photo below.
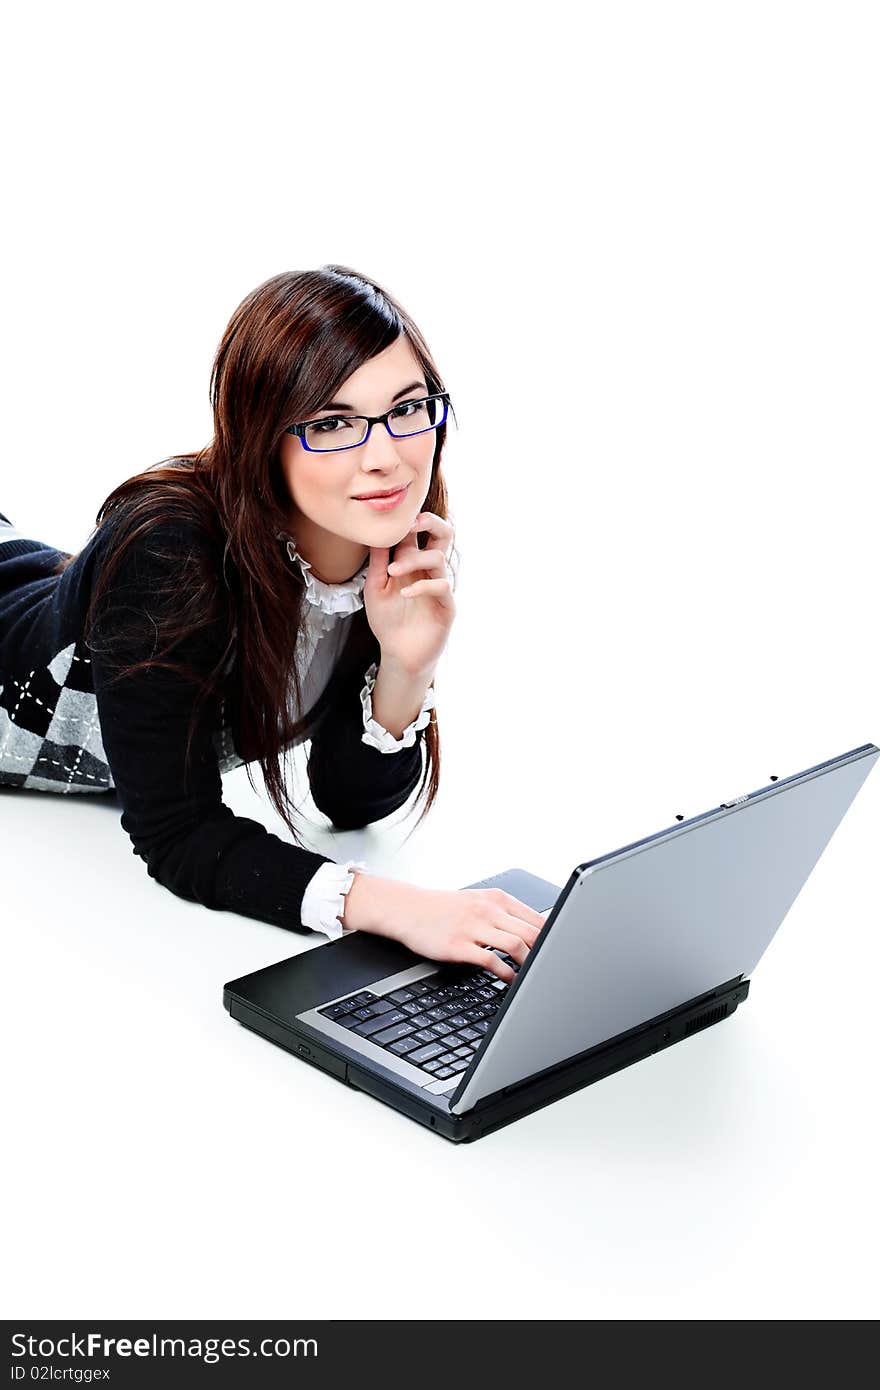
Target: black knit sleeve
x,y
191,842
351,782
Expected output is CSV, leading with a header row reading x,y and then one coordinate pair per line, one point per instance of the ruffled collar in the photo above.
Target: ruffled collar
x,y
331,599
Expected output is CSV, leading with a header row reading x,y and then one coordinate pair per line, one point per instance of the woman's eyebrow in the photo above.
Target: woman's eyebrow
x,y
413,386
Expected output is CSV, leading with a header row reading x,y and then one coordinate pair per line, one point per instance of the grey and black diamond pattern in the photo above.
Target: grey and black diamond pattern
x,y
50,736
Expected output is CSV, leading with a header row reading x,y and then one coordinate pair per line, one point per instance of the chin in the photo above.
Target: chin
x,y
391,522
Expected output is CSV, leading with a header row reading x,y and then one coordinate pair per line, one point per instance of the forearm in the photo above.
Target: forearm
x,y
352,781
355,785
228,862
363,909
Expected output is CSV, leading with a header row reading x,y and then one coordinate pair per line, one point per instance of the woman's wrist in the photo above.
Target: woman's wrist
x,y
363,903
397,697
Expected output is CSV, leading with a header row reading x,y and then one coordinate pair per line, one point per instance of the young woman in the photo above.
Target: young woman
x,y
234,602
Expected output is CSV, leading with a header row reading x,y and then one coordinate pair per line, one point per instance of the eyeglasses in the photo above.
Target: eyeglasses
x,y
401,422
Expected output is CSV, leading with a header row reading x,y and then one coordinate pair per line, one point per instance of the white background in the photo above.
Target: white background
x,y
644,252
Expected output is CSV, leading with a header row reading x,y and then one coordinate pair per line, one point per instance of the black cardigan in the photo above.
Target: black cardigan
x,y
59,712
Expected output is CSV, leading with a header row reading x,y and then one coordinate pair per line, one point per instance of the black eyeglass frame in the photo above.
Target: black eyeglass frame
x,y
300,429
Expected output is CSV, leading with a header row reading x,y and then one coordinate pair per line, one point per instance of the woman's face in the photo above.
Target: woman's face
x,y
331,527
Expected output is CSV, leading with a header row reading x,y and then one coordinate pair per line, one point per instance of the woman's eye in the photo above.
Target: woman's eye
x,y
329,423
412,406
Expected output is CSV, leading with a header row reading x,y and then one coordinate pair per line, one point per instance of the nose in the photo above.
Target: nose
x,y
379,450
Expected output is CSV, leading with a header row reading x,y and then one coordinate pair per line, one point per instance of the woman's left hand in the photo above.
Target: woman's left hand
x,y
412,628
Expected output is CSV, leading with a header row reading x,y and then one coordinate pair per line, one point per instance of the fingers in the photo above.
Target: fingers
x,y
377,571
473,954
438,526
418,560
509,934
517,909
438,583
508,941
511,926
518,930
437,588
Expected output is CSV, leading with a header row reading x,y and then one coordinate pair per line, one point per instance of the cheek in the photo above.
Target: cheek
x,y
305,479
423,459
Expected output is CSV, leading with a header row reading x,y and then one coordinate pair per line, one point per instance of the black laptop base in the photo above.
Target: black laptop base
x,y
493,1112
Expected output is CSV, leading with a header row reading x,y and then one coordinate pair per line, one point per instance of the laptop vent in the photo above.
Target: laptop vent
x,y
704,1020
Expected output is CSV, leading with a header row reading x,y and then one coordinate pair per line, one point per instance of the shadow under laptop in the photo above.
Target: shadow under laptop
x,y
702,1099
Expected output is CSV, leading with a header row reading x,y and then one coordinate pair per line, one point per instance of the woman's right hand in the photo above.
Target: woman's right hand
x,y
449,925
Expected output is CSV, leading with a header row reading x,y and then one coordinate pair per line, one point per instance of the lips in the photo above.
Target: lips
x,y
387,492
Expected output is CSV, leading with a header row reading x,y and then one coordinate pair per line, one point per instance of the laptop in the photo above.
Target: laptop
x,y
641,949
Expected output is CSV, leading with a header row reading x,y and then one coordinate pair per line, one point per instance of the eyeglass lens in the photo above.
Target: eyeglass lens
x,y
345,431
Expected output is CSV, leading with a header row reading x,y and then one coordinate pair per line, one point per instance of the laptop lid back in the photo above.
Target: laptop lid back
x,y
640,931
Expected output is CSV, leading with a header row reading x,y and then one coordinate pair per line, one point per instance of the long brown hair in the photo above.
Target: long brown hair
x,y
287,348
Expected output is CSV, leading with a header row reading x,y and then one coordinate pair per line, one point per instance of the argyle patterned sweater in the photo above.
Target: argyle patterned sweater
x,y
64,727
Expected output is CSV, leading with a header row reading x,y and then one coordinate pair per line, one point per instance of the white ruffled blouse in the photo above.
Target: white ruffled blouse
x,y
323,899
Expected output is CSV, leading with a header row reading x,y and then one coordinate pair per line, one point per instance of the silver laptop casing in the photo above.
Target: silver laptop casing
x,y
662,921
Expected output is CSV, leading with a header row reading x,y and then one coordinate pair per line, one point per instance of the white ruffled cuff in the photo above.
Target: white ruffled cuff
x,y
380,738
323,901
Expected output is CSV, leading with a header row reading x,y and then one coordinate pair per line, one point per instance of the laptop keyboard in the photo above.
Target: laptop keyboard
x,y
437,1023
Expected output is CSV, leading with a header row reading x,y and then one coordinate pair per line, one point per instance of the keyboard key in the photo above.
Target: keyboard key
x,y
372,1025
373,1010
404,1046
390,1035
459,1064
464,1052
420,986
410,1009
469,1034
401,996
440,1029
344,1006
426,1035
424,1054
444,1072
447,1058
431,1066
457,1021
333,1010
482,1027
